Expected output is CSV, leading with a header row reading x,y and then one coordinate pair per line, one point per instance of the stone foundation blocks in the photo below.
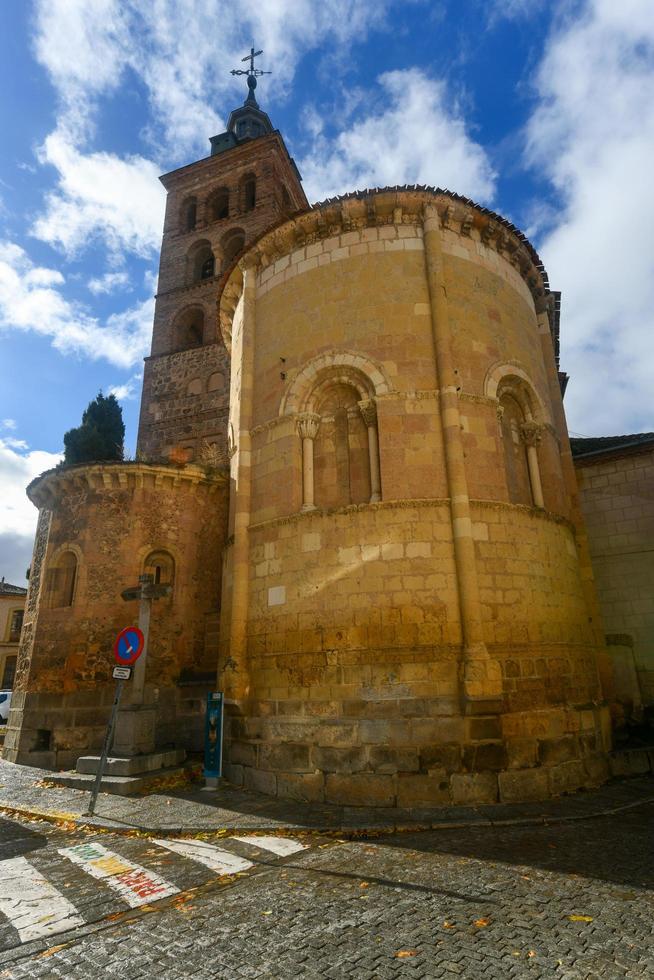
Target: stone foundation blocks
x,y
446,756
260,782
423,790
285,757
474,787
485,755
522,753
330,759
630,763
523,786
365,789
567,778
303,787
389,760
553,751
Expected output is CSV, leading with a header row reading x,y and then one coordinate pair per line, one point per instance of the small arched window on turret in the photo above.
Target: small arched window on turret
x,y
161,565
201,262
232,243
189,214
219,204
60,581
248,192
188,329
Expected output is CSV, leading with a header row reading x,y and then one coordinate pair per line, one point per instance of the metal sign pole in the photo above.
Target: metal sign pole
x,y
105,748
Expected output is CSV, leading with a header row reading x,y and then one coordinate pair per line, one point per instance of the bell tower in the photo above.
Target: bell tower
x,y
215,209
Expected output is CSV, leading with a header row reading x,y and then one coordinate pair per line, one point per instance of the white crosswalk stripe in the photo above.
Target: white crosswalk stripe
x,y
35,908
32,905
219,860
283,846
133,883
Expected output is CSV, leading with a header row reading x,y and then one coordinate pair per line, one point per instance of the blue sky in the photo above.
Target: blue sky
x,y
542,110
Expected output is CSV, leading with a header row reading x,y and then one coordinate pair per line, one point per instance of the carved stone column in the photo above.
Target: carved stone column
x,y
369,412
307,427
531,434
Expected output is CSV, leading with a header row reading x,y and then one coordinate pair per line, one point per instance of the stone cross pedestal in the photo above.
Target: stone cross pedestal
x,y
135,730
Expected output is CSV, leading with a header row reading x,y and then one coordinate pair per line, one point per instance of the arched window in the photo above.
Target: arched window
x,y
248,192
188,329
287,204
218,204
512,420
189,214
341,456
201,262
161,565
232,244
194,387
60,581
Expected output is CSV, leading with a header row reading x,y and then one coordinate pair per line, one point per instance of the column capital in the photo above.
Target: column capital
x,y
531,433
307,425
368,410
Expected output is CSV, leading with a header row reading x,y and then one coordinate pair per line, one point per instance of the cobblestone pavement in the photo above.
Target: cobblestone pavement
x,y
569,901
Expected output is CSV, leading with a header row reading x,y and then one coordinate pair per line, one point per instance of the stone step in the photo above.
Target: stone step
x,y
117,785
132,765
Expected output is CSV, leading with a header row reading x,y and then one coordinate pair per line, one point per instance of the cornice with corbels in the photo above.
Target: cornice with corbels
x,y
375,209
47,490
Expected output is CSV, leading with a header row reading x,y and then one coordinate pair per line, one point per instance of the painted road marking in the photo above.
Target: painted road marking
x,y
132,882
283,846
223,862
32,905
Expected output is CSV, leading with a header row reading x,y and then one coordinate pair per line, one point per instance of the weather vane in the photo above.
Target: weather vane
x,y
251,72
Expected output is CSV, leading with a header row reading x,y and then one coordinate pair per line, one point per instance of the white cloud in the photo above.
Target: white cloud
x,y
182,51
592,134
8,423
412,135
128,390
101,197
17,515
30,301
108,283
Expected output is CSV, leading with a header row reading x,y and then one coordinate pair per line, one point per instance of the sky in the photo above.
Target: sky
x,y
540,109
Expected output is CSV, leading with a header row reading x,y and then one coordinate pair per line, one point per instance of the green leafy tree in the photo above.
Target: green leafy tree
x,y
101,434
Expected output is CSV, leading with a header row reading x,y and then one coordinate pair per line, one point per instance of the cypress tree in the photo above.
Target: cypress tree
x,y
101,434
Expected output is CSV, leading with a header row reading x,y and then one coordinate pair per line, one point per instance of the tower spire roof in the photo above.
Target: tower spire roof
x,y
248,121
252,74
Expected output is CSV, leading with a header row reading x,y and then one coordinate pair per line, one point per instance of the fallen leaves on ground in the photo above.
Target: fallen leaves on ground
x,y
449,925
403,954
580,918
480,923
51,951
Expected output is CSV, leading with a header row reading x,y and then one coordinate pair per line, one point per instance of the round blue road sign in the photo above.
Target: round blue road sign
x,y
128,646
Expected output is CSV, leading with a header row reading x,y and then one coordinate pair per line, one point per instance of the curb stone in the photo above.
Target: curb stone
x,y
91,824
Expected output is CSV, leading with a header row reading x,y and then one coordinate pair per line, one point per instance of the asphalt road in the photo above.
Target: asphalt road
x,y
570,901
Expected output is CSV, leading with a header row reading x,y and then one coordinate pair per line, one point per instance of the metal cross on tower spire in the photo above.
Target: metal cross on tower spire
x,y
251,72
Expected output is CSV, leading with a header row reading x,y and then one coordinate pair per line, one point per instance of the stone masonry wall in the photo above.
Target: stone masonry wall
x,y
111,516
618,504
351,690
